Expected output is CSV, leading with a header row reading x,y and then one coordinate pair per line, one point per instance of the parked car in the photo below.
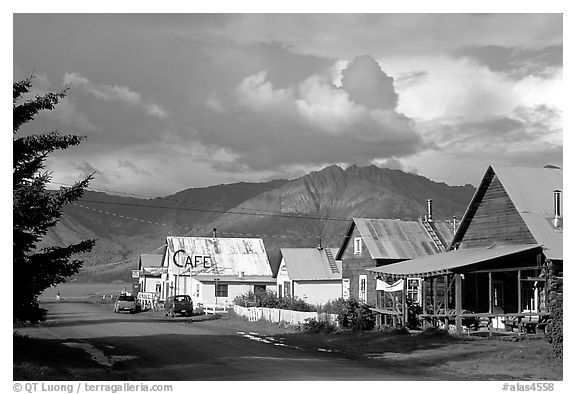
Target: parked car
x,y
125,303
179,304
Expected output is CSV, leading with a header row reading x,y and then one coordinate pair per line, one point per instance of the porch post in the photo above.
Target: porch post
x,y
446,299
405,303
519,292
434,297
458,301
423,300
490,294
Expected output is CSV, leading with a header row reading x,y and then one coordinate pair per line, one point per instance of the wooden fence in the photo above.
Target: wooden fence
x,y
283,315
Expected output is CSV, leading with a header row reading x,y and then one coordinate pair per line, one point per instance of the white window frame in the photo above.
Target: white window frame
x,y
358,245
418,290
363,295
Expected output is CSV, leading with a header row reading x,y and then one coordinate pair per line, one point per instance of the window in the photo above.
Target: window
x,y
221,290
287,290
413,289
358,245
362,288
259,289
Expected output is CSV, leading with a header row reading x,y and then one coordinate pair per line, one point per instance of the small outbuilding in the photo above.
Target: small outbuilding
x,y
311,274
150,273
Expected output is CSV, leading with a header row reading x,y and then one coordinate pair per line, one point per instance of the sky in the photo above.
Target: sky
x,y
172,101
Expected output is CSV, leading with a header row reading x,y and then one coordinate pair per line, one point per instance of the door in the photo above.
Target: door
x,y
362,288
498,296
346,288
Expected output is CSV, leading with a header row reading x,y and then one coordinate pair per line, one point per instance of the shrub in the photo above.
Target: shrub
x,y
394,330
435,332
269,299
314,326
414,310
354,315
335,306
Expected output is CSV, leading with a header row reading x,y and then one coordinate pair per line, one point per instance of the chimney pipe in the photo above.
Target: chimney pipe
x,y
557,211
214,233
429,217
454,223
319,243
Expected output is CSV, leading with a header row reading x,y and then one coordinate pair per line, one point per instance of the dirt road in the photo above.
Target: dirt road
x,y
149,346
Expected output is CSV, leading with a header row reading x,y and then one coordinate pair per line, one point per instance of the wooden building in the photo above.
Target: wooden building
x,y
311,274
150,273
506,249
371,243
215,270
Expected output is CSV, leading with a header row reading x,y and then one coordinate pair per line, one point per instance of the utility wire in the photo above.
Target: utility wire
x,y
199,229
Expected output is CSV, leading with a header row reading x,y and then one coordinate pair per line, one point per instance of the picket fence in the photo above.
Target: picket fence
x,y
283,315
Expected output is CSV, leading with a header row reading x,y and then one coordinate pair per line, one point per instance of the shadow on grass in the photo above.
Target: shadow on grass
x,y
50,359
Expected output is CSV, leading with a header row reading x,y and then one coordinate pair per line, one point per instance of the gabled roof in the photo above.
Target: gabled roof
x,y
531,191
311,264
150,260
394,239
447,262
228,256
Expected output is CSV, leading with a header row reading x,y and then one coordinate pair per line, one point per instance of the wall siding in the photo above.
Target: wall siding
x,y
496,220
354,265
318,292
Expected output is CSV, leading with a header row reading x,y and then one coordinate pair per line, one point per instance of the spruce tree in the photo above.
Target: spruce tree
x,y
36,209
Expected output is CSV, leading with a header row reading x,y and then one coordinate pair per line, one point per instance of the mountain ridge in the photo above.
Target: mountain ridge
x,y
284,213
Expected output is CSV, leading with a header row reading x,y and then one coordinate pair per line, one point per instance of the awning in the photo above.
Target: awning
x,y
444,263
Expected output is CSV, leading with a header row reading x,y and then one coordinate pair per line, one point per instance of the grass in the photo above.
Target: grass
x,y
464,357
45,359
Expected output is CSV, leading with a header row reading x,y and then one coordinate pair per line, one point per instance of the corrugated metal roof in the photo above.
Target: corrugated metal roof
x,y
447,261
310,264
229,256
532,192
150,260
396,239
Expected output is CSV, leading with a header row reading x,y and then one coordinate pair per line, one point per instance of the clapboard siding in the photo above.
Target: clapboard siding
x,y
496,220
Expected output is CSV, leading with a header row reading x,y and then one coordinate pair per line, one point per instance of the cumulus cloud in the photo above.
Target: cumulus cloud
x,y
313,121
368,85
114,93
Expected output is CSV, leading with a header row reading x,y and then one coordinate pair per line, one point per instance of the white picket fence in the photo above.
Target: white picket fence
x,y
214,309
283,315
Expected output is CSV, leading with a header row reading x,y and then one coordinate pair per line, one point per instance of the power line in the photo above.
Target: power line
x,y
283,215
199,229
228,207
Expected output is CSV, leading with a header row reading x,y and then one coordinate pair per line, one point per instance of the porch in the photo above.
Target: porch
x,y
499,289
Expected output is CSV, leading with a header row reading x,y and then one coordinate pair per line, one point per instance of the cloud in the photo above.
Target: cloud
x,y
502,138
368,85
455,87
312,121
517,62
114,93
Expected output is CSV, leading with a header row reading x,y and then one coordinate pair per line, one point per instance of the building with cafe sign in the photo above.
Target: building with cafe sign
x,y
215,270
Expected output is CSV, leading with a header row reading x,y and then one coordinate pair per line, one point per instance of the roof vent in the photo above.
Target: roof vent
x,y
557,211
241,274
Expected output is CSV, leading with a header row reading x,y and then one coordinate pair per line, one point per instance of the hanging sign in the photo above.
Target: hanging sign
x,y
396,286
